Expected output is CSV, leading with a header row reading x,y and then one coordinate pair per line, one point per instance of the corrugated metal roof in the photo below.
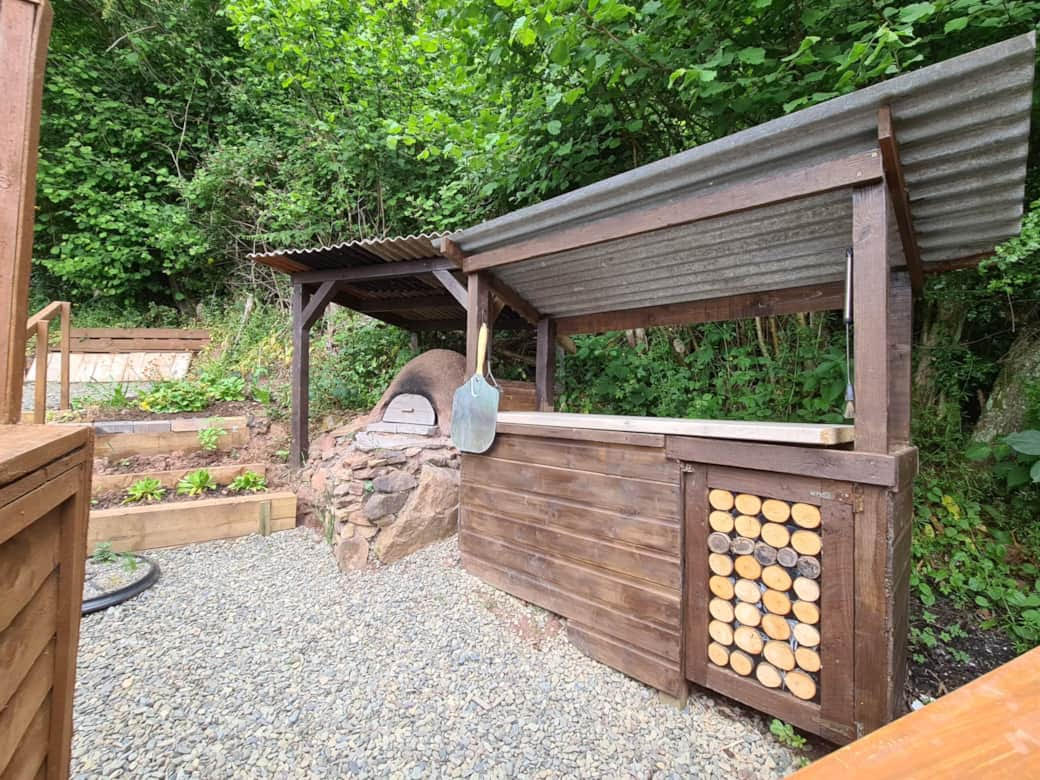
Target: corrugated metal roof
x,y
963,130
365,251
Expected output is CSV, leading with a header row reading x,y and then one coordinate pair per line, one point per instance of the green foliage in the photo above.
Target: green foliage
x,y
786,735
248,482
196,483
129,562
714,371
174,396
103,553
209,437
147,489
1016,457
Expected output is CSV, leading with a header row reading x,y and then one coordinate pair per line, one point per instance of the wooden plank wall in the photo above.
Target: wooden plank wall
x,y
589,529
138,340
517,396
44,497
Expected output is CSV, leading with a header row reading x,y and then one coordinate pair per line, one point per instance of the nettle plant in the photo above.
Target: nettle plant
x,y
196,483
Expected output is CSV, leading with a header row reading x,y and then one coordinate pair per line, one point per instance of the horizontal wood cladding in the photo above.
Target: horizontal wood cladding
x,y
589,530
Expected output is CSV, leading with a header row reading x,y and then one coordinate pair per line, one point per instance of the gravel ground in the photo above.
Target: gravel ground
x,y
257,658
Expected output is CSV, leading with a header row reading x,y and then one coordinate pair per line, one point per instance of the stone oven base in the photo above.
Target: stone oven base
x,y
380,496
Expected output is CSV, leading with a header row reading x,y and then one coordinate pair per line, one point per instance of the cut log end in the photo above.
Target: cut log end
x,y
786,557
779,654
718,654
718,542
742,546
721,610
807,659
747,567
748,640
747,591
806,515
806,635
747,526
806,589
720,499
776,511
720,564
800,684
776,602
721,521
721,632
768,675
721,587
775,534
741,663
806,542
747,614
806,612
776,627
748,504
808,566
776,577
765,554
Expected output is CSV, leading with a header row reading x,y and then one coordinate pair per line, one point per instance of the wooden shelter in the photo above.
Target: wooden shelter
x,y
766,561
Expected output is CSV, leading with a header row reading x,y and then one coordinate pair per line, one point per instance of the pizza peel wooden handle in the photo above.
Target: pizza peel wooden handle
x,y
481,348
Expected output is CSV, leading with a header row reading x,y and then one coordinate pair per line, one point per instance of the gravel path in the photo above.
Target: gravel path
x,y
257,658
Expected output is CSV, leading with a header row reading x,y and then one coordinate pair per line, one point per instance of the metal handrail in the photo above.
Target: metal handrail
x,y
39,325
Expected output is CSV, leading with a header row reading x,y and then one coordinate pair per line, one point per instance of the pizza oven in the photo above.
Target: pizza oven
x,y
407,413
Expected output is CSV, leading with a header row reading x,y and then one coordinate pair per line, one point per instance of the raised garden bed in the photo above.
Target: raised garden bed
x,y
104,484
186,522
155,437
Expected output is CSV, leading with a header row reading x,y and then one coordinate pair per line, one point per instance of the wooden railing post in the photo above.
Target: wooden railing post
x,y
66,343
300,377
40,402
478,312
545,365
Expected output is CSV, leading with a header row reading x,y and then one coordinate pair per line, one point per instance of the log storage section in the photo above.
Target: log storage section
x,y
44,497
684,558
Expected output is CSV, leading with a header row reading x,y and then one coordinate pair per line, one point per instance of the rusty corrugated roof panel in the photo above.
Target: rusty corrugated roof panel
x,y
363,251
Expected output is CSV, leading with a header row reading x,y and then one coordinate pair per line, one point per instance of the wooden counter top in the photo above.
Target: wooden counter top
x,y
771,432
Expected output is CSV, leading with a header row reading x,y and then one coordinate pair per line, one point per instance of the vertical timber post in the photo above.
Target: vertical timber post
x,y
478,312
900,341
301,370
545,365
870,315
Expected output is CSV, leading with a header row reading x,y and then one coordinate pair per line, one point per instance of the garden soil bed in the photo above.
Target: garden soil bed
x,y
115,498
940,669
219,409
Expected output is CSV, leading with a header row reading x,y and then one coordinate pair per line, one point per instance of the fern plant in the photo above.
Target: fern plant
x,y
248,482
148,489
196,483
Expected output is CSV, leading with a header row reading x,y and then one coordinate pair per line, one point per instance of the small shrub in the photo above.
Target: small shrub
x,y
225,388
196,483
786,735
209,437
118,399
103,553
174,396
148,489
248,482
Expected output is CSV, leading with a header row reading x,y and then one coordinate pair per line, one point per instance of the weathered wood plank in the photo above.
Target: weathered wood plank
x,y
478,312
638,599
30,756
581,434
986,728
166,525
900,195
26,560
27,636
612,459
391,270
574,606
653,534
870,315
123,445
653,670
900,343
824,177
545,365
22,707
771,432
657,568
23,511
516,396
30,447
628,496
300,378
849,465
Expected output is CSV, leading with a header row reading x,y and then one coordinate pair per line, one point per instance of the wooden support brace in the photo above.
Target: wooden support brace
x,y
393,270
454,286
318,303
870,315
897,189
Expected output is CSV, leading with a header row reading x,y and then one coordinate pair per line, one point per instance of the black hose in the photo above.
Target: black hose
x,y
106,600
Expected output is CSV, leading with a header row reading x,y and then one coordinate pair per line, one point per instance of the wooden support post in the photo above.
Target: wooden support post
x,y
66,342
896,182
300,378
870,315
453,286
26,28
478,312
545,365
40,402
900,340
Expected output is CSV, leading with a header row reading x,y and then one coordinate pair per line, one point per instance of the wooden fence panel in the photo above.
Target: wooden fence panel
x,y
44,500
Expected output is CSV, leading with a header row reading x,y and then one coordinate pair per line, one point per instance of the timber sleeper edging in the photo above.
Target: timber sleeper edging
x,y
131,528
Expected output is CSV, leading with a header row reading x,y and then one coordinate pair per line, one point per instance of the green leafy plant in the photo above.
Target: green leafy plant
x,y
118,399
174,396
224,388
196,483
1016,457
147,489
103,553
129,562
209,437
248,482
786,735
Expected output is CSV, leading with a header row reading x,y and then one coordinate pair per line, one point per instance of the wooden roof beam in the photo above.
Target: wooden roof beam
x,y
897,189
404,304
825,177
394,270
792,300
